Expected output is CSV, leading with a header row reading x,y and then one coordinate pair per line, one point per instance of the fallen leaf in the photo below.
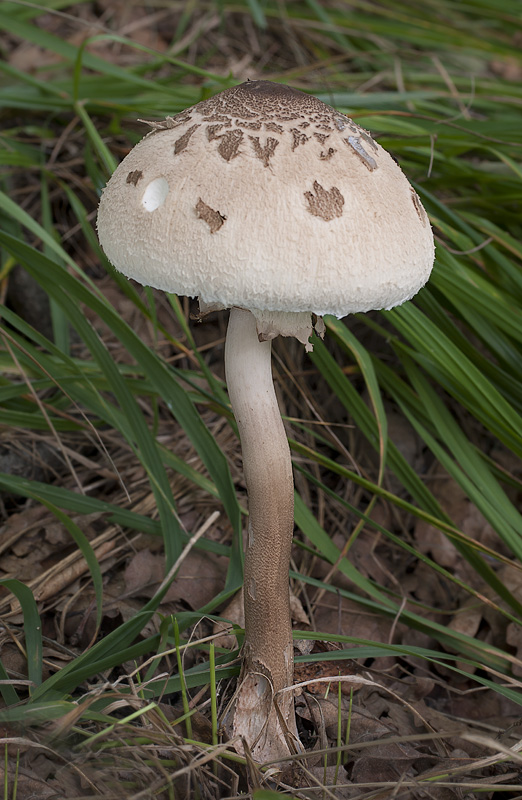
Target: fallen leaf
x,y
200,578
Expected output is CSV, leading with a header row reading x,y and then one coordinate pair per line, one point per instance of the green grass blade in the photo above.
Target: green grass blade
x,y
65,287
32,628
308,524
7,690
365,363
82,504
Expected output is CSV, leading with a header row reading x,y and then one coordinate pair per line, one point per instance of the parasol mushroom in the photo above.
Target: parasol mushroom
x,y
265,200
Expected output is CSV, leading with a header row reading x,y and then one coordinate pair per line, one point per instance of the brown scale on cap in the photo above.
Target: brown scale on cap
x,y
251,126
327,205
181,143
321,137
134,176
299,138
214,131
273,126
229,144
329,153
266,151
213,218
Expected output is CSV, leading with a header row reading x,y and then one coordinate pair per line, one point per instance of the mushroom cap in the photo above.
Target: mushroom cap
x,y
265,197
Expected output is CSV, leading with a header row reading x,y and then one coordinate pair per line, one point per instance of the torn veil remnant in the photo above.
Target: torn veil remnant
x,y
265,200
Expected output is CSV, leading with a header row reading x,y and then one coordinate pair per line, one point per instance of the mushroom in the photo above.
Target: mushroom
x,y
264,200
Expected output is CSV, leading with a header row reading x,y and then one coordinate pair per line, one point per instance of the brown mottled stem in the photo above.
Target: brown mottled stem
x,y
268,651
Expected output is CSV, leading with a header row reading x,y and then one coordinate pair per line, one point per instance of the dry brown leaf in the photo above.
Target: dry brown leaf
x,y
339,615
388,761
200,578
297,611
13,659
426,586
19,525
361,554
143,573
466,620
414,687
324,711
335,779
431,541
441,723
465,516
29,785
511,577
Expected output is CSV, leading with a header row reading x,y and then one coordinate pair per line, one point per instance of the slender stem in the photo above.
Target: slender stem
x,y
267,467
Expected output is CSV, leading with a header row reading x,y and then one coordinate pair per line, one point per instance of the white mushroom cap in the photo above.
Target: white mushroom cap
x,y
264,197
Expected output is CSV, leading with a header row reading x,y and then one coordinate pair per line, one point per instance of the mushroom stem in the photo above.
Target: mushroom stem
x,y
268,650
